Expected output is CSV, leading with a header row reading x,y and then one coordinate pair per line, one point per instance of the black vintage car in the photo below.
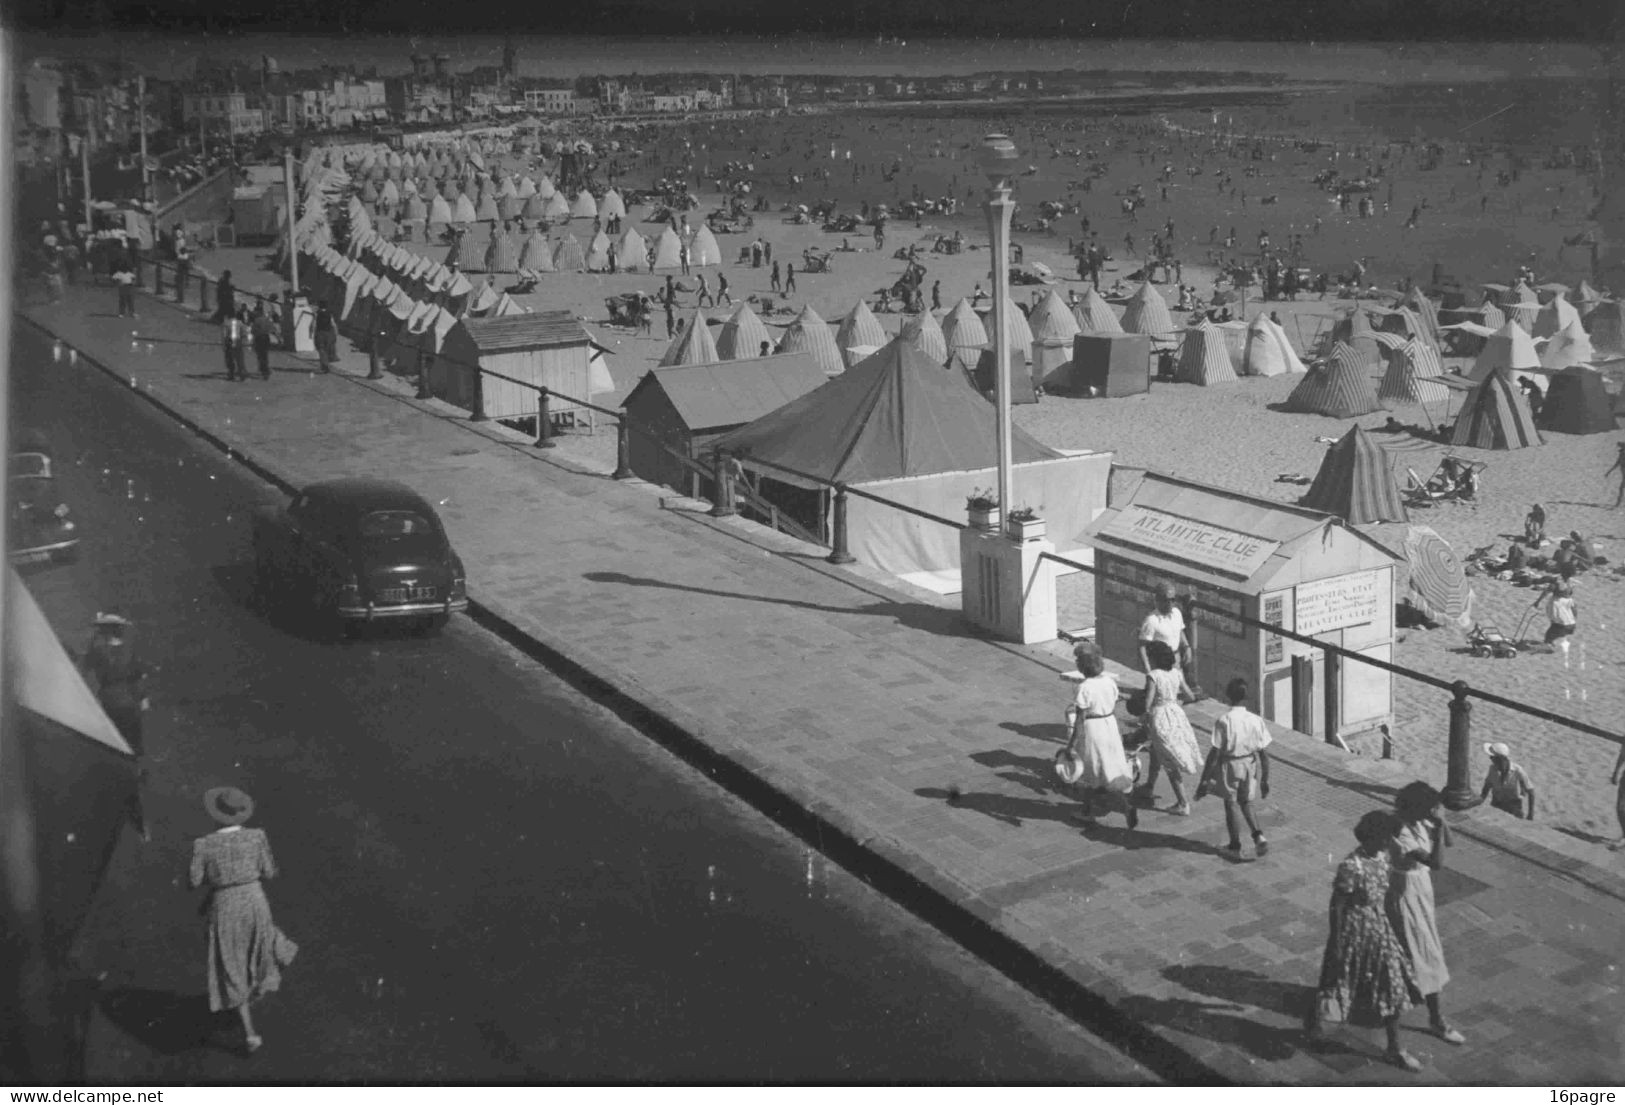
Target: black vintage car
x,y
40,529
359,551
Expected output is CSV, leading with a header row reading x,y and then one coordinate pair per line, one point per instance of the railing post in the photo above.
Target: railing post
x,y
839,553
423,376
202,293
1458,787
476,406
623,450
544,420
722,493
375,367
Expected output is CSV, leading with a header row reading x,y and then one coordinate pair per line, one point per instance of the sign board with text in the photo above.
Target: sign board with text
x,y
1213,547
1337,603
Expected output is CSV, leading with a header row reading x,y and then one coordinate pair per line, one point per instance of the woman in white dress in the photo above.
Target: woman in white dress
x,y
1173,743
1096,746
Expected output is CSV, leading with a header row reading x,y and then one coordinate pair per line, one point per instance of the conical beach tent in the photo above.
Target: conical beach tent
x,y
537,256
545,189
894,414
462,211
742,335
503,256
568,256
703,249
1203,359
584,207
1355,332
1496,416
1339,388
1412,369
858,329
1147,313
1554,317
962,329
1268,350
1018,332
1052,320
556,206
535,208
612,206
811,334
598,253
1509,349
1095,316
439,211
633,252
668,251
1569,346
1577,403
526,188
1424,309
466,253
1356,482
922,329
693,346
486,210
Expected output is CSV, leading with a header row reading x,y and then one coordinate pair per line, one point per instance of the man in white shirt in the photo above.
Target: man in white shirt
x,y
1238,767
1166,624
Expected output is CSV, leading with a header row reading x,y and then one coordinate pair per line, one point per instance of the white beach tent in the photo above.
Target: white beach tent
x,y
612,206
742,335
1509,349
859,329
633,251
1052,320
1269,352
598,253
1569,346
584,207
556,206
811,334
962,329
694,345
668,251
703,249
925,334
1147,313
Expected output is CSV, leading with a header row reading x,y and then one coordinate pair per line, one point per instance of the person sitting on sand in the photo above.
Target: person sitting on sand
x,y
1517,560
1585,551
1534,526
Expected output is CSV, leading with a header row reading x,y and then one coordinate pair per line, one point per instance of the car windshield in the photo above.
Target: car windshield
x,y
386,524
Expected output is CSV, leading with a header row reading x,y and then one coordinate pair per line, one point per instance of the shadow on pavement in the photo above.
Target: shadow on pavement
x,y
1009,809
167,1023
1048,732
930,619
1229,1019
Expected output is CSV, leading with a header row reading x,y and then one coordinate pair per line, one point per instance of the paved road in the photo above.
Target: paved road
x,y
491,877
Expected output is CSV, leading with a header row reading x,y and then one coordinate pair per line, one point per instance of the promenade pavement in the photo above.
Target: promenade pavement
x,y
928,748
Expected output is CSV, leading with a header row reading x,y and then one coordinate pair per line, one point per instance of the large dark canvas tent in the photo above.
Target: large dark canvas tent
x,y
1577,403
893,414
1356,482
1496,416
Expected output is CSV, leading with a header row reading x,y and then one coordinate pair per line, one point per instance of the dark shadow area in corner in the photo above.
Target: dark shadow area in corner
x,y
166,1022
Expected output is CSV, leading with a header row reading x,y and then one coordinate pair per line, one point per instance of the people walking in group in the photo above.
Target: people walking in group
x,y
225,296
789,278
1173,744
246,951
1365,976
1093,759
775,281
1165,623
1238,767
723,295
260,331
1419,847
1507,785
233,335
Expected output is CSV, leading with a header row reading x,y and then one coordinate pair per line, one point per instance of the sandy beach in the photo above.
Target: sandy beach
x,y
1475,228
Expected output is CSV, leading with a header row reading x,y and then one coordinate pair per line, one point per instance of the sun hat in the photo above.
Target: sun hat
x,y
228,805
1499,749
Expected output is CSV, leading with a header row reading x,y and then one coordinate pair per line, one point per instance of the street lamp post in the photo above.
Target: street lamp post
x,y
998,155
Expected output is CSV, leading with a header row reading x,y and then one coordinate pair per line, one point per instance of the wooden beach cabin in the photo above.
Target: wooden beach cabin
x,y
549,349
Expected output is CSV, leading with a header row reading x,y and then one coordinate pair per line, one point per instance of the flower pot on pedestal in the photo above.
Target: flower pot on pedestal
x,y
1025,529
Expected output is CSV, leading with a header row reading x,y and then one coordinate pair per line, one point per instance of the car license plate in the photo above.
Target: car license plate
x,y
406,594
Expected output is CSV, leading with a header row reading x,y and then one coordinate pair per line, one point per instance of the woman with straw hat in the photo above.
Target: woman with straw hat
x,y
246,949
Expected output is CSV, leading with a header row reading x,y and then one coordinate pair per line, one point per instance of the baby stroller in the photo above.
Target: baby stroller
x,y
1486,640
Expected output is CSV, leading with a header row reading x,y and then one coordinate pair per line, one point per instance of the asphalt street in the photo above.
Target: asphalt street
x,y
491,877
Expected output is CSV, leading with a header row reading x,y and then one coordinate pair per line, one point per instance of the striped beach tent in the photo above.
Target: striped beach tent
x,y
1018,333
598,253
1147,313
1052,319
1426,312
742,335
485,210
1204,359
584,207
811,334
416,210
668,251
369,194
962,329
537,255
1494,317
924,332
503,254
1095,316
703,249
1522,306
466,253
568,256
1339,387
1356,482
556,206
859,329
633,251
612,206
1355,331
694,345
1496,416
1412,368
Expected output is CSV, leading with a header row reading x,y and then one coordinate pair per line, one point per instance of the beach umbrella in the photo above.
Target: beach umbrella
x,y
811,334
1052,320
568,256
1095,316
537,256
633,252
598,253
584,207
964,333
1436,582
694,345
925,334
703,249
612,206
859,329
556,206
742,335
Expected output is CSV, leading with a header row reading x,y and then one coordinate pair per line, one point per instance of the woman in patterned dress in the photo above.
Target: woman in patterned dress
x,y
1096,743
1418,850
1365,975
1173,744
246,949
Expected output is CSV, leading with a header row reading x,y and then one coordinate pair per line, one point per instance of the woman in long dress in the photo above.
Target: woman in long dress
x,y
246,950
1419,850
1365,975
1096,744
1173,743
